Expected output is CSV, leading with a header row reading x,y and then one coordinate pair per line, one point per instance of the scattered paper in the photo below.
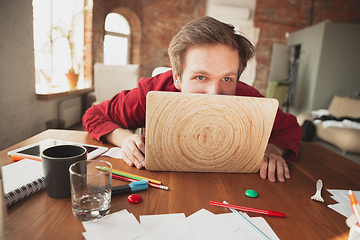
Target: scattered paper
x,y
342,197
114,152
167,226
200,225
114,226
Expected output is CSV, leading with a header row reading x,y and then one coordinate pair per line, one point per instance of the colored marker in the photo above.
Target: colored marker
x,y
129,175
129,188
355,206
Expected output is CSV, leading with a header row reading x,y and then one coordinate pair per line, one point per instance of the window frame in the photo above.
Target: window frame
x,y
64,91
122,35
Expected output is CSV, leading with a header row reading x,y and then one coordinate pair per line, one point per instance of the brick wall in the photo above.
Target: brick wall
x,y
276,17
160,20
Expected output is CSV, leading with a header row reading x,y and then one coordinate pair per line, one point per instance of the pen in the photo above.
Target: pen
x,y
129,175
129,188
248,222
248,209
16,158
133,180
355,206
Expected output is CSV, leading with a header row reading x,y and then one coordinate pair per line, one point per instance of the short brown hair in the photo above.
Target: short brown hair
x,y
207,30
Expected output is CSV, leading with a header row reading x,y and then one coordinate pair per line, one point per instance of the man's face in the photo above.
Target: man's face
x,y
209,69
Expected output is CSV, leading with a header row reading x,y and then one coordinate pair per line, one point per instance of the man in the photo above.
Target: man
x,y
207,56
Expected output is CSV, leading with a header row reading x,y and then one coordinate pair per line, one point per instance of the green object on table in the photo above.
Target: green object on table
x,y
121,173
251,193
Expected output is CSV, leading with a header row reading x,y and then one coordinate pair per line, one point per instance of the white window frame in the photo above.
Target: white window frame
x,y
122,35
50,79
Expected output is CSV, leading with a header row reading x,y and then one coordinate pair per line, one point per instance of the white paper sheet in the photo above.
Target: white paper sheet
x,y
198,226
199,216
119,225
114,152
213,227
342,197
167,226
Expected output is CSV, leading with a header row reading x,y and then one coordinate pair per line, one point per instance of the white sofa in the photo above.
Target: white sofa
x,y
346,139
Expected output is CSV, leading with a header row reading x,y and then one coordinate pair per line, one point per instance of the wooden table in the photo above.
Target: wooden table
x,y
41,217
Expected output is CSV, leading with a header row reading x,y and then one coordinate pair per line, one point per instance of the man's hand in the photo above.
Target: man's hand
x,y
132,146
273,161
133,150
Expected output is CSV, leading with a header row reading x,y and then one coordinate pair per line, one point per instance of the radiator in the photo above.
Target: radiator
x,y
70,111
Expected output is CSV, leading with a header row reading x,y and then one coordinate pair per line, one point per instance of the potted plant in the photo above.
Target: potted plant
x,y
74,71
61,30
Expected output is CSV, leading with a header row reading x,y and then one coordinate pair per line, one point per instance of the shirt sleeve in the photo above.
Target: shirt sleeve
x,y
286,133
126,109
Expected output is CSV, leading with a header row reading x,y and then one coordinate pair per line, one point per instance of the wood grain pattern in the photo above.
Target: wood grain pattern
x,y
207,133
41,217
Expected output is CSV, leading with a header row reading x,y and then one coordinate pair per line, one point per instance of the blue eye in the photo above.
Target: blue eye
x,y
227,79
200,78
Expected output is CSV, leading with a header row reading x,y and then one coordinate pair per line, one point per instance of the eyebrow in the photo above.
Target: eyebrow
x,y
206,73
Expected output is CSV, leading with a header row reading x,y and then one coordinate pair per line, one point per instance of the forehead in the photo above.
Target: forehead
x,y
214,58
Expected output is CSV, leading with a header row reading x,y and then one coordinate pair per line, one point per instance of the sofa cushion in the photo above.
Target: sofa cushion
x,y
346,139
301,118
345,107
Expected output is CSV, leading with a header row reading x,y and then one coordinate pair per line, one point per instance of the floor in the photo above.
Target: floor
x,y
351,156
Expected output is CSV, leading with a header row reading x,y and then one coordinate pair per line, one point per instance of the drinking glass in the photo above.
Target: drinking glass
x,y
90,189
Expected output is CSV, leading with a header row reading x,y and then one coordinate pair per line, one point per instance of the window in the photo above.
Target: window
x,y
117,40
58,44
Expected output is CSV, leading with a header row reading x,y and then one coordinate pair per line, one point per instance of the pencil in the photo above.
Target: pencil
x,y
133,180
130,175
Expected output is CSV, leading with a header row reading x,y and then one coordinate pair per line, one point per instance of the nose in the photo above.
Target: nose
x,y
214,88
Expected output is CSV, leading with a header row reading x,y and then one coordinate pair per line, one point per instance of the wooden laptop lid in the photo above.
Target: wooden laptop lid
x,y
207,133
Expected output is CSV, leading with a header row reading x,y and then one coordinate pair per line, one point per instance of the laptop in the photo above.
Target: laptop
x,y
187,132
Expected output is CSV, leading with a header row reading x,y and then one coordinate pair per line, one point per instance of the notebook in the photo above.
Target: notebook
x,y
22,178
207,133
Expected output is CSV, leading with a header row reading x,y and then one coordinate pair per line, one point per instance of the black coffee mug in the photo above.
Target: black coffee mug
x,y
56,161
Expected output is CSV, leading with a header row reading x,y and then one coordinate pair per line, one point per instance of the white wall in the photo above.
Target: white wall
x,y
21,114
310,39
328,64
339,70
235,3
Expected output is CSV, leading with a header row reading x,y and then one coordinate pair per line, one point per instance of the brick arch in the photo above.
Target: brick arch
x,y
135,28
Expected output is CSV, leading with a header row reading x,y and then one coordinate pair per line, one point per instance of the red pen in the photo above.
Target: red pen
x,y
248,209
355,206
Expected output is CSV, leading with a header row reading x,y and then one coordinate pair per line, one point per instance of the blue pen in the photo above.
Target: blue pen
x,y
248,222
129,188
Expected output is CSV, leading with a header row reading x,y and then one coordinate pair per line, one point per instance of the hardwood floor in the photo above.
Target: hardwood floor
x,y
351,156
